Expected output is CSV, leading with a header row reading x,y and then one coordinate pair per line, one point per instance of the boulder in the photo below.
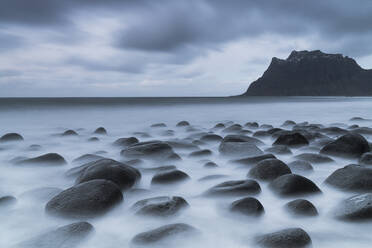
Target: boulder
x,y
248,206
288,123
169,177
293,185
366,158
269,169
211,138
235,128
46,159
293,140
210,164
286,238
299,166
351,178
279,149
242,138
158,125
162,206
6,201
149,150
252,125
234,188
100,130
86,200
201,153
159,168
314,158
11,137
301,207
253,160
70,133
239,149
125,142
349,145
355,208
183,124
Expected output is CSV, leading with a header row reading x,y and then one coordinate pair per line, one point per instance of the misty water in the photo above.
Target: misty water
x,y
39,120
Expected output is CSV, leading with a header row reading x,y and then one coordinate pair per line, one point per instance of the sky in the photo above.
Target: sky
x,y
56,48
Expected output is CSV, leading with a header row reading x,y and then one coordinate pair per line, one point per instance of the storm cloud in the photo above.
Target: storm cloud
x,y
143,47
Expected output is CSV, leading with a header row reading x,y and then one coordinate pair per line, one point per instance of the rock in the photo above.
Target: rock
x,y
211,177
366,159
261,133
288,123
142,134
253,160
234,188
314,158
359,119
201,153
182,145
252,125
286,238
334,131
211,138
158,125
351,178
164,236
11,137
292,140
355,208
46,159
266,126
100,130
34,147
279,149
210,164
85,200
6,201
93,139
121,174
183,124
301,207
349,145
125,142
70,133
219,126
242,138
167,177
248,206
235,128
239,149
69,236
162,206
299,166
160,168
87,158
293,185
269,169
149,150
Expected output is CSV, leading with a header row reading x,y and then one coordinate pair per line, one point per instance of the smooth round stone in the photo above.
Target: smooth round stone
x,y
286,238
210,164
100,130
253,160
279,149
301,207
235,188
300,166
169,177
70,133
125,142
46,159
350,145
293,185
11,137
248,206
211,138
158,125
6,201
162,206
201,153
355,208
314,158
366,159
292,140
183,124
269,169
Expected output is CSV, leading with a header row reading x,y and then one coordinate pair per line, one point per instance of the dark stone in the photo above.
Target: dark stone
x,y
293,140
219,126
121,174
234,188
252,125
249,206
351,178
235,128
279,149
149,150
100,130
85,200
93,139
34,147
211,138
164,236
167,177
183,124
313,73
286,238
288,123
314,158
162,206
293,185
239,149
366,159
349,145
160,168
211,177
46,159
355,208
301,207
300,166
70,236
210,164
6,201
158,125
359,119
334,131
125,142
253,160
70,133
142,134
201,153
11,137
266,126
261,133
242,138
269,169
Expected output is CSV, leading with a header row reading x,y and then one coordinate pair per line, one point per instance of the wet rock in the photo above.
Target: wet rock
x,y
334,131
366,158
269,169
266,126
160,168
211,177
85,200
301,207
158,125
87,158
41,194
11,137
286,238
242,138
183,124
292,140
121,174
211,138
70,133
248,206
234,188
100,130
93,139
349,145
125,142
162,206
201,153
69,236
288,123
164,236
261,133
253,160
219,126
235,128
46,159
251,125
355,208
168,177
149,150
279,149
293,185
359,119
314,158
6,201
299,166
34,147
210,164
239,149
351,178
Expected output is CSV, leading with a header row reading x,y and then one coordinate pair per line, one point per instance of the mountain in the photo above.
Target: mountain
x,y
313,73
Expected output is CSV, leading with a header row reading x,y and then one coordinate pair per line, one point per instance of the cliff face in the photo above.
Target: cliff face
x,y
313,73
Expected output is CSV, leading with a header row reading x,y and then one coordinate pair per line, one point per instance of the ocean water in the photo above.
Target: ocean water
x,y
39,120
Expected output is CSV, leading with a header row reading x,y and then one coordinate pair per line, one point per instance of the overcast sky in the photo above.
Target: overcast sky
x,y
166,47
